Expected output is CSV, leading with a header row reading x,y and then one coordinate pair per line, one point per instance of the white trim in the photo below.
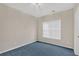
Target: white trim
x,y
16,47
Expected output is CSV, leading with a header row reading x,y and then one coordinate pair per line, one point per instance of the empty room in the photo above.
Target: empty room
x,y
39,29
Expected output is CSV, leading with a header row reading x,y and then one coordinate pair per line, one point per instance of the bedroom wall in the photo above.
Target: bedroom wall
x,y
67,26
16,28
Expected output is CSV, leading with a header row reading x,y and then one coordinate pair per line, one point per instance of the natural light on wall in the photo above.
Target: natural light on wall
x,y
52,29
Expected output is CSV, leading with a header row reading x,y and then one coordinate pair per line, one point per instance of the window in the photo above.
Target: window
x,y
52,29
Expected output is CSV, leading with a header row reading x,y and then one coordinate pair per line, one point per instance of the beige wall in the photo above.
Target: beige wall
x,y
16,28
67,26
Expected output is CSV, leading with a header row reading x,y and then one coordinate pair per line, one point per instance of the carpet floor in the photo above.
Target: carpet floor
x,y
40,49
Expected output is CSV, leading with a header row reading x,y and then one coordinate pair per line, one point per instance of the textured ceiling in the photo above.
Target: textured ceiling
x,y
44,9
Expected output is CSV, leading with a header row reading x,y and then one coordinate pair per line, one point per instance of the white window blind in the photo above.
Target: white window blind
x,y
52,29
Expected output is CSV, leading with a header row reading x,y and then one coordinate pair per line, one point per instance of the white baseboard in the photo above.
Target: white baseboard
x,y
55,44
16,47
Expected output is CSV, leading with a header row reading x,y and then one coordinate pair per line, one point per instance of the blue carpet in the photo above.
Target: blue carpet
x,y
40,49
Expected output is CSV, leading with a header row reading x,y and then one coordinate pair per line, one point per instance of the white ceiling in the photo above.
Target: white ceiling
x,y
45,8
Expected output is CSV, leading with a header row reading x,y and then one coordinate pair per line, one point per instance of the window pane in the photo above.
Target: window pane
x,y
52,29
